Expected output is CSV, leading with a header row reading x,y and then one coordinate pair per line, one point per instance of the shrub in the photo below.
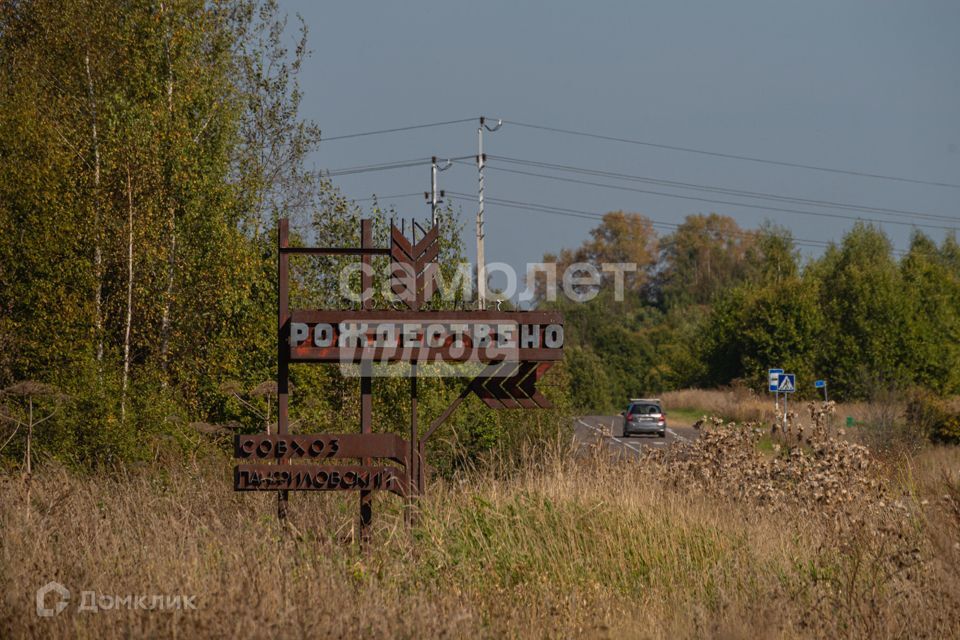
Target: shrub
x,y
948,430
934,417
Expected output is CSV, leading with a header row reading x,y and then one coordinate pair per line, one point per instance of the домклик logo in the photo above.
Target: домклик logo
x,y
63,595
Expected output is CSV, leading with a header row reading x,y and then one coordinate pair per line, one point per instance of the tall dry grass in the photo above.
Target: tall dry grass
x,y
741,404
561,547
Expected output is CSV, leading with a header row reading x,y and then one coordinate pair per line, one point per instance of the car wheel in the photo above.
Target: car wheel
x,y
663,434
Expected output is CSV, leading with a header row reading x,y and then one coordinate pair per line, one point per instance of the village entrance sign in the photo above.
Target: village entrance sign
x,y
511,350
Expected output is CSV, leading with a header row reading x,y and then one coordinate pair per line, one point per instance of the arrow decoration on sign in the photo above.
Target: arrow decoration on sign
x,y
413,269
512,385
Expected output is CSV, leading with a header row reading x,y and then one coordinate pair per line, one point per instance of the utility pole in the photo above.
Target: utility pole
x,y
435,197
481,263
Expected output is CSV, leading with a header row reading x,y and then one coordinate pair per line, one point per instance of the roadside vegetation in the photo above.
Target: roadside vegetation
x,y
821,538
894,421
713,305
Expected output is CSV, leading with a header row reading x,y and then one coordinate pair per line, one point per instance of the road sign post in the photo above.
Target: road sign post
x,y
822,384
773,380
786,384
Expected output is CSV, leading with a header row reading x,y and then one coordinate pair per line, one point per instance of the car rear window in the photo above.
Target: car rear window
x,y
643,409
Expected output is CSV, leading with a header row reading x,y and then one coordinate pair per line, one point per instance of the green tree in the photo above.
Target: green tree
x,y
776,325
135,272
626,239
589,383
705,255
932,292
866,311
772,257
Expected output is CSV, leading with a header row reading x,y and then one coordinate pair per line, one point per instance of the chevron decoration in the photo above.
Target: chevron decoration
x,y
413,269
512,385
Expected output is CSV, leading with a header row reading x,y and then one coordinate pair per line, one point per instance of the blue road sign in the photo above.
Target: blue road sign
x,y
773,376
820,384
787,383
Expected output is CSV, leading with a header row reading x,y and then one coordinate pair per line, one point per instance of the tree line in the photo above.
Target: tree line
x,y
147,150
713,304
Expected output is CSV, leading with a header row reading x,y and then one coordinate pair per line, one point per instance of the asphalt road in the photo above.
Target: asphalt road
x,y
594,430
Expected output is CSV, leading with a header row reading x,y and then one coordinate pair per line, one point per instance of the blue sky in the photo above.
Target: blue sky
x,y
866,86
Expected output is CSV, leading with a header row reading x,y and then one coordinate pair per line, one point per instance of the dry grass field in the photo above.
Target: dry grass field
x,y
745,405
716,538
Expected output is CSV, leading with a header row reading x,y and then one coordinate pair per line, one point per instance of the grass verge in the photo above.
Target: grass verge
x,y
560,547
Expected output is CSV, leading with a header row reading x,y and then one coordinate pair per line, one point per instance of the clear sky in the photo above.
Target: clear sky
x,y
871,86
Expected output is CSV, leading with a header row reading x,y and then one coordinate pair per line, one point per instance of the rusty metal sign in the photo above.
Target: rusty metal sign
x,y
321,446
311,477
513,385
513,351
413,270
426,336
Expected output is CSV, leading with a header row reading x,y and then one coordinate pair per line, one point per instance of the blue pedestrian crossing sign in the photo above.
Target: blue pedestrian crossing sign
x,y
787,383
820,384
774,379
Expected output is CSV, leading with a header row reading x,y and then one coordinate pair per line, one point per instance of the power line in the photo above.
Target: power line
x,y
732,156
384,166
592,215
381,166
396,129
396,196
656,145
760,195
714,201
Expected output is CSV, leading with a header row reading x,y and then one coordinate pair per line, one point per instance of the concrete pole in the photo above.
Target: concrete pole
x,y
434,199
481,261
481,264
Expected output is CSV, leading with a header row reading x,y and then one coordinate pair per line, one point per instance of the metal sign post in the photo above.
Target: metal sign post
x,y
366,382
786,384
773,380
512,351
822,384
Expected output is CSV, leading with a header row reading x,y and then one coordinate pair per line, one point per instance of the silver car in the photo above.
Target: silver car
x,y
644,416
